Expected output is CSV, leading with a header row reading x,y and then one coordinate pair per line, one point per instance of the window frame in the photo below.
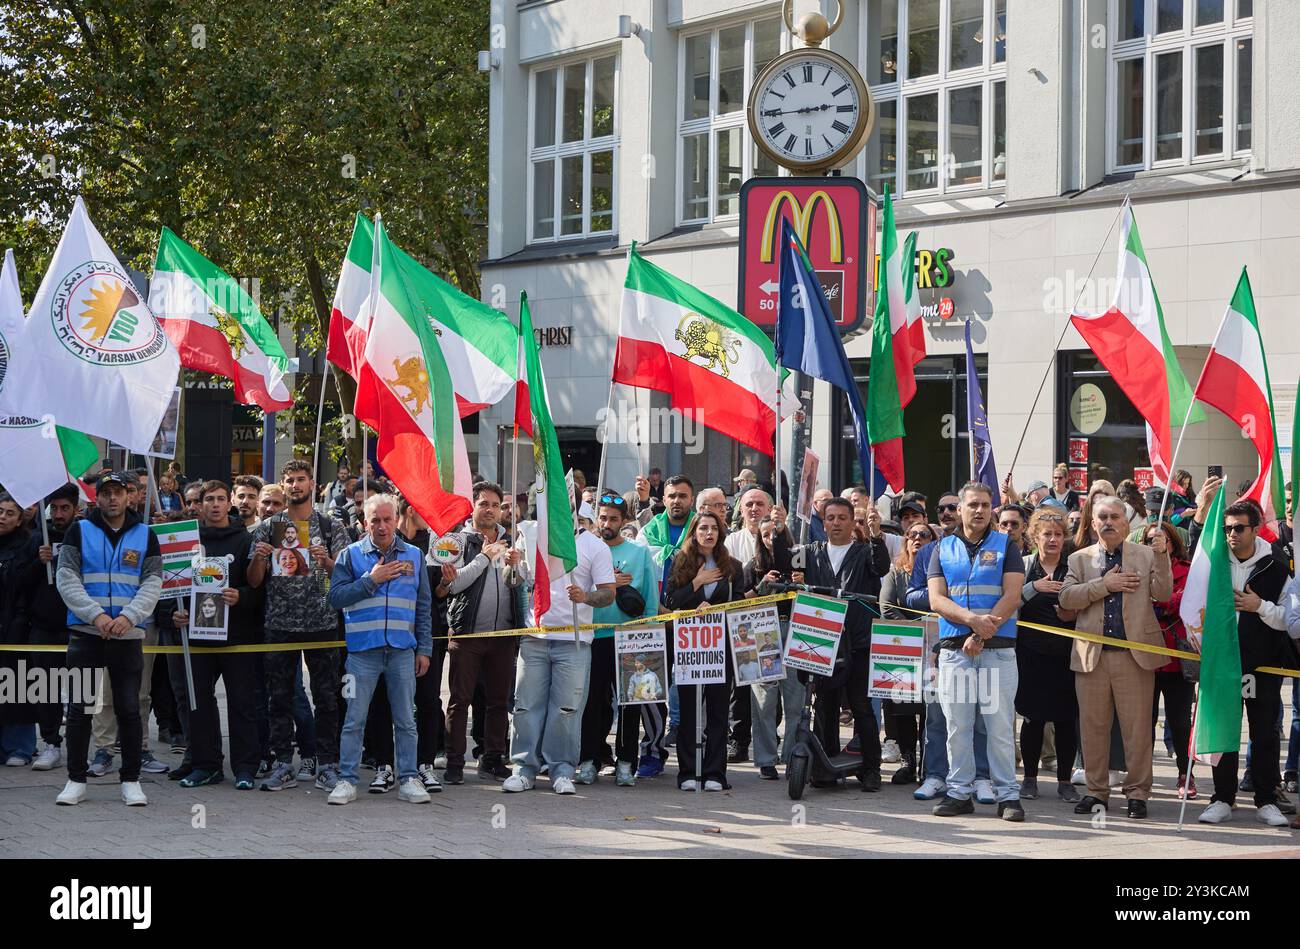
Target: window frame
x,y
1185,42
713,123
986,74
559,150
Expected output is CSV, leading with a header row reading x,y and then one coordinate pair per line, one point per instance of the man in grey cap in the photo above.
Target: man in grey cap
x,y
743,481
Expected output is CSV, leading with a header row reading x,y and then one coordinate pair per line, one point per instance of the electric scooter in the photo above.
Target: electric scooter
x,y
809,761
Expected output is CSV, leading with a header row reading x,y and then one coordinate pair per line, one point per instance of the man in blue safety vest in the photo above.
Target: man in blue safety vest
x,y
381,586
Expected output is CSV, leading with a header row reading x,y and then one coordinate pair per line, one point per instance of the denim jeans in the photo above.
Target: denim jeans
x,y
982,687
18,740
550,695
935,756
397,666
1293,744
674,707
765,698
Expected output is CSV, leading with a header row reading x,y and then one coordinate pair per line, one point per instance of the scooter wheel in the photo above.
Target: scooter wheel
x,y
797,776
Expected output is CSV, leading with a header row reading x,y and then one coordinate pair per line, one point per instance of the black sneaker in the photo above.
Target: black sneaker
x,y
1247,785
265,767
1029,789
1011,811
493,768
904,775
1137,810
455,774
384,780
951,807
1284,803
1088,803
737,752
870,780
768,773
180,771
1290,785
670,737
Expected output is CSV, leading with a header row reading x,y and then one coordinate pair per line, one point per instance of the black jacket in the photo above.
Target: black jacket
x,y
235,541
863,566
1261,644
14,561
462,607
686,597
45,607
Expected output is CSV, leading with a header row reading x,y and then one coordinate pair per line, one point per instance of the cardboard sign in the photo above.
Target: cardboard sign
x,y
179,543
755,637
209,612
164,442
700,649
816,624
641,663
807,484
897,660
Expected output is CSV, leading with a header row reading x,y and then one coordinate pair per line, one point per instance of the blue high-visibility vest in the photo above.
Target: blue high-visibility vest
x,y
111,572
974,582
388,617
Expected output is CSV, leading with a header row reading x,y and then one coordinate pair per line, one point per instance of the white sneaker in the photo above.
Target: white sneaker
x,y
689,785
51,757
563,786
440,762
344,792
890,753
1269,814
587,773
930,789
1219,812
516,783
984,791
412,789
74,792
16,761
1079,777
713,785
133,794
1117,779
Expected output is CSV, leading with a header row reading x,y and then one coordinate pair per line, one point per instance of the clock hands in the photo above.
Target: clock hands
x,y
804,111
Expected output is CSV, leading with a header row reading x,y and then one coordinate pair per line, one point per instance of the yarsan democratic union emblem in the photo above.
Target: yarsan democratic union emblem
x,y
99,316
709,340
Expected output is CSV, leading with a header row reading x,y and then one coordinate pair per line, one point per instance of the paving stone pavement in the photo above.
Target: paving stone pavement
x,y
755,818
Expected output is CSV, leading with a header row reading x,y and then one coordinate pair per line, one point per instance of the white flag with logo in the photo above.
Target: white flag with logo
x,y
92,356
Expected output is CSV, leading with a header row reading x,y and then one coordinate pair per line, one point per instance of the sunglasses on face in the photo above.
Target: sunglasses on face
x,y
948,507
1236,528
918,535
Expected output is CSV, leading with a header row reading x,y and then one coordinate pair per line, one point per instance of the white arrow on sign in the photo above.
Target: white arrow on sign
x,y
770,286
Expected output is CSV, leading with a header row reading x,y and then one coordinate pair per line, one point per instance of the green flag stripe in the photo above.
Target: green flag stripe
x,y
646,277
884,412
79,453
1219,707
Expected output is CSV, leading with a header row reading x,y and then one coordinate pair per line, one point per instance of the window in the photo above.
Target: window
x,y
716,152
941,107
574,138
1180,80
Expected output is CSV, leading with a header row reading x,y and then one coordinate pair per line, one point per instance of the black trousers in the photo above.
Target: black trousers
x,y
854,679
238,671
713,763
1031,747
905,723
742,715
124,661
180,690
1261,715
430,726
1179,695
599,714
49,715
323,667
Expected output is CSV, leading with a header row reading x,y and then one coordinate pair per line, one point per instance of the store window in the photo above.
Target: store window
x,y
941,104
573,146
716,152
1098,431
1180,79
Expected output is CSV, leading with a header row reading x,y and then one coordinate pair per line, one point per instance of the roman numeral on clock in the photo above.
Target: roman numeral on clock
x,y
840,89
776,129
807,146
839,126
807,72
789,143
790,79
844,108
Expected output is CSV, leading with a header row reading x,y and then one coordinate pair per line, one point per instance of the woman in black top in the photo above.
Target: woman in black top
x,y
1046,689
704,575
904,721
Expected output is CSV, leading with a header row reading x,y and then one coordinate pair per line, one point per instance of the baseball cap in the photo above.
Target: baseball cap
x,y
114,477
1035,486
916,507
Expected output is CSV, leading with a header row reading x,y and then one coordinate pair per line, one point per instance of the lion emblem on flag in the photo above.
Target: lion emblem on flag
x,y
709,341
411,377
230,329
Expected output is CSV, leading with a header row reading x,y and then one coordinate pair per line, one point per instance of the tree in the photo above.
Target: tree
x,y
254,130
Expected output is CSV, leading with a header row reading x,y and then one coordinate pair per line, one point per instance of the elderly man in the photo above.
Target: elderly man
x,y
381,586
975,578
947,511
1112,584
713,501
816,528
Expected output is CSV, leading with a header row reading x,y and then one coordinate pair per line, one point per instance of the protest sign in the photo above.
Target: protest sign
x,y
897,658
209,612
179,543
756,645
700,649
641,656
816,624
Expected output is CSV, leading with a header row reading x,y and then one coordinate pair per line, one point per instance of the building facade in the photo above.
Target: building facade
x,y
1010,131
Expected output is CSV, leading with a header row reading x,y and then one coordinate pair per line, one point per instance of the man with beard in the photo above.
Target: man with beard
x,y
48,616
298,610
193,496
635,584
948,519
664,534
247,490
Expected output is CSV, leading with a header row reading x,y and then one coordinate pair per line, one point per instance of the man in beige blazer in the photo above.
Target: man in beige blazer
x,y
1112,585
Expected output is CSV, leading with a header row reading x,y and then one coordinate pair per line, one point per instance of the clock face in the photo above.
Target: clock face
x,y
809,111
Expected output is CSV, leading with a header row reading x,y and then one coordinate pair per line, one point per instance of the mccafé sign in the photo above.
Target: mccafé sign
x,y
835,222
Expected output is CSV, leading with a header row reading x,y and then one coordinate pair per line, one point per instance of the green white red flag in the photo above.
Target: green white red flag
x,y
216,326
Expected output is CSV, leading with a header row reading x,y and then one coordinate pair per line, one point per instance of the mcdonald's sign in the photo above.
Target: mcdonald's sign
x,y
835,221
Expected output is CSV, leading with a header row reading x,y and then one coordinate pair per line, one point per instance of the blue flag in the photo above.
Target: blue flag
x,y
985,471
807,338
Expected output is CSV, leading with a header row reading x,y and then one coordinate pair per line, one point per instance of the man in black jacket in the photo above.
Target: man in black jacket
x,y
49,616
856,567
222,537
17,719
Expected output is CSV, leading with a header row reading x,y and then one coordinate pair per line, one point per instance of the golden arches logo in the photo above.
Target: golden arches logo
x,y
803,218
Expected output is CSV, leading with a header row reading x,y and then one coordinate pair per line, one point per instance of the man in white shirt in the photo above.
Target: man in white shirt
x,y
552,671
755,504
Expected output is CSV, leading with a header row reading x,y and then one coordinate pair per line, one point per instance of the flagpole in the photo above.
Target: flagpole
x,y
320,412
604,441
1191,756
45,539
1191,404
1065,329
